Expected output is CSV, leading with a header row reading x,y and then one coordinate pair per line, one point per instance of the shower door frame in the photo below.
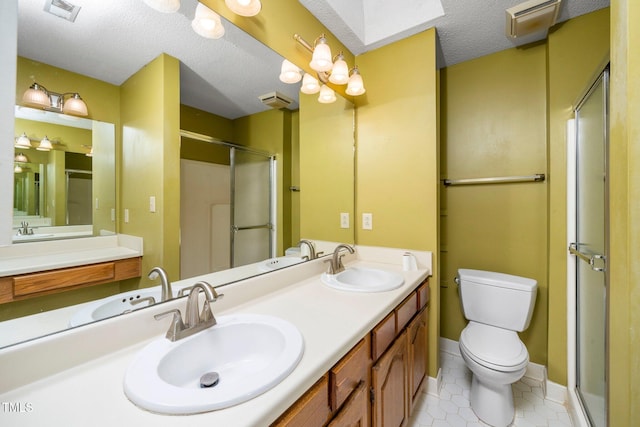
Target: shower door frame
x,y
576,403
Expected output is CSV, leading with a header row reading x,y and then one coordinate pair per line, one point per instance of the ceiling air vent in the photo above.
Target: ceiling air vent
x,y
62,9
275,100
533,16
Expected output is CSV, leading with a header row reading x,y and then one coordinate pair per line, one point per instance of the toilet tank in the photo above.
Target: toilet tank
x,y
497,299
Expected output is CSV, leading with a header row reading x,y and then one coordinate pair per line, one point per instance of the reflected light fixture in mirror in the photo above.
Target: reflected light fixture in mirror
x,y
164,6
39,97
327,95
289,72
310,85
45,145
23,142
21,158
244,7
207,23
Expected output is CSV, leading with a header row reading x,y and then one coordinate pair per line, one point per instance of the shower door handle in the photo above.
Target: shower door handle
x,y
590,258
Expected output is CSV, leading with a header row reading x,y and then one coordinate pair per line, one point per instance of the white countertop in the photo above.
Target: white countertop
x,y
86,389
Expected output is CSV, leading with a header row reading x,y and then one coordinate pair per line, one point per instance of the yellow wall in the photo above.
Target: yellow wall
x,y
576,51
494,124
397,171
327,169
624,264
151,162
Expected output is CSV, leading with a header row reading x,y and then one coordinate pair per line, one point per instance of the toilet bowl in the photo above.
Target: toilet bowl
x,y
498,306
494,370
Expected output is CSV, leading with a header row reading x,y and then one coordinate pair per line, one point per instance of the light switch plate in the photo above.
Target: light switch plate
x,y
367,221
344,219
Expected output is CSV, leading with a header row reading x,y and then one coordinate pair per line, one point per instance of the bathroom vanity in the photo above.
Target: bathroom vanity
x,y
356,346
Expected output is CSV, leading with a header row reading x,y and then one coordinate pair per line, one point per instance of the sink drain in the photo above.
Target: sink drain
x,y
210,379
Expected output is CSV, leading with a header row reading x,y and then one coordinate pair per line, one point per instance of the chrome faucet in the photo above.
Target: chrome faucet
x,y
335,263
24,229
195,320
312,249
167,293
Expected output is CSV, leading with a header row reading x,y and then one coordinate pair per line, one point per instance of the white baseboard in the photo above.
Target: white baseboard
x,y
434,384
449,346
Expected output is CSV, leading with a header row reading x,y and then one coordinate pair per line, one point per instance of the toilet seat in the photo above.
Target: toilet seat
x,y
494,348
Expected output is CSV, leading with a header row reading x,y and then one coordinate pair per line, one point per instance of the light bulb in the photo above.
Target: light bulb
x,y
321,60
310,85
289,73
207,23
340,71
327,95
356,85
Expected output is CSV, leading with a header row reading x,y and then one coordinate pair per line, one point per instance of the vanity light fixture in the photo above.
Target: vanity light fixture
x,y
164,6
289,72
17,169
23,141
21,158
244,7
310,84
207,23
334,70
327,95
39,97
45,145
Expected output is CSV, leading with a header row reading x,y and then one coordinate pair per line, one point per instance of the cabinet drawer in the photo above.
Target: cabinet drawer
x,y
406,310
355,412
311,410
383,335
63,278
347,374
423,295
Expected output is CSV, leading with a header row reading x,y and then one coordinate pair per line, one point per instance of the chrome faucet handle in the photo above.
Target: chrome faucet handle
x,y
185,291
176,327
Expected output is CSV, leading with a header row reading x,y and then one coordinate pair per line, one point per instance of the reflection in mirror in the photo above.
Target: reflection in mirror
x,y
228,89
67,190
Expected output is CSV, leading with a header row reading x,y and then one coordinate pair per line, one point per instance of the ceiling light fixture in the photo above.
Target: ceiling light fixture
x,y
23,141
334,70
207,23
244,7
164,6
39,97
17,169
21,158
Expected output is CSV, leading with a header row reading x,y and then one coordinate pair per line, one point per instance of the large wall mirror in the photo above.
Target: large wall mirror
x,y
232,62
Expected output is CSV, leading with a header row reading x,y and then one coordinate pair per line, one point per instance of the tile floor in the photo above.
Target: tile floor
x,y
452,407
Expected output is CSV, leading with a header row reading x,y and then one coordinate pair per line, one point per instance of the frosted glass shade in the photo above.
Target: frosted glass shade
x,y
310,85
289,73
164,6
23,141
75,106
21,158
321,60
207,23
45,145
327,95
339,72
356,85
244,7
36,96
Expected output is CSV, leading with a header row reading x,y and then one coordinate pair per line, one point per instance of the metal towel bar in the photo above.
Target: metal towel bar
x,y
539,177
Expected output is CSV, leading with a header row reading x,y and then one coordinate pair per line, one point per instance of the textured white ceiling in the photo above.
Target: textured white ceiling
x,y
111,40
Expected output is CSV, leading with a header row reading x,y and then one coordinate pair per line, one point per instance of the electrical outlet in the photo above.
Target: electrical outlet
x,y
344,220
367,221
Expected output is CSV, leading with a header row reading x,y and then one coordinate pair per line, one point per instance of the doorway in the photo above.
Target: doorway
x,y
589,251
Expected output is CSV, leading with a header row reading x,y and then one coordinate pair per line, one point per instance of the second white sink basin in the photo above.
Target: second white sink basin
x,y
361,279
247,353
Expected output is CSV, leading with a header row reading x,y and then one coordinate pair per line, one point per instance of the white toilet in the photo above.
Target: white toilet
x,y
498,306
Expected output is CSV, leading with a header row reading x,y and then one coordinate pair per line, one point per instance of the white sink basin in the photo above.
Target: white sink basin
x,y
361,279
114,305
251,353
279,262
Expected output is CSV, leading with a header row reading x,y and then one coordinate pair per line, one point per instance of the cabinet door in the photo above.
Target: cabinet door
x,y
355,412
389,384
418,355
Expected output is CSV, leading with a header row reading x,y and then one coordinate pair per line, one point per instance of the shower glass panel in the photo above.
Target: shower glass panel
x,y
251,207
591,250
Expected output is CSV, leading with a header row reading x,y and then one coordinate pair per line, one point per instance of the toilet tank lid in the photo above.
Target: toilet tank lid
x,y
498,279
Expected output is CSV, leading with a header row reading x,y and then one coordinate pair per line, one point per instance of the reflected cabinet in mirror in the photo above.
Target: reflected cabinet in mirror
x,y
174,99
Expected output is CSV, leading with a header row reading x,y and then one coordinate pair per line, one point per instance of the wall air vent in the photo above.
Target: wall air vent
x,y
275,100
530,17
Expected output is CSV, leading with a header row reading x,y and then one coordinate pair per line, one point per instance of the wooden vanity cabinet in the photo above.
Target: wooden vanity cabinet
x,y
378,381
29,285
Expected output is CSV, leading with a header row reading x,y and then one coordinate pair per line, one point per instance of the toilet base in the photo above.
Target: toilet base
x,y
492,403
